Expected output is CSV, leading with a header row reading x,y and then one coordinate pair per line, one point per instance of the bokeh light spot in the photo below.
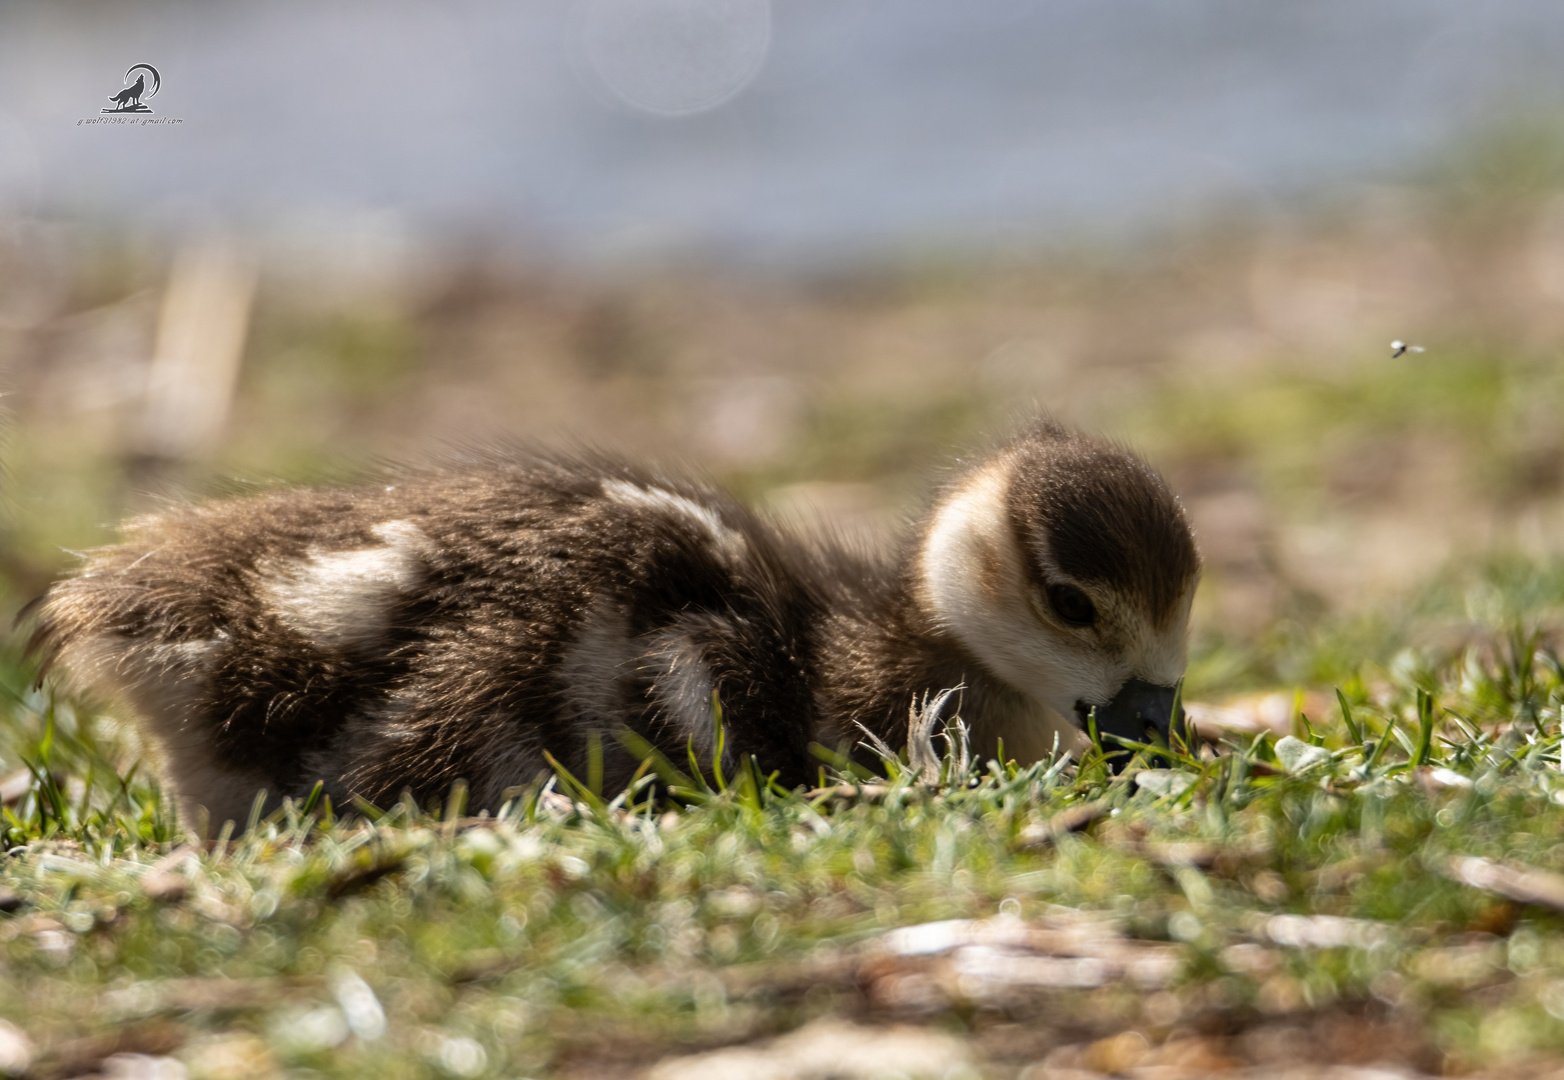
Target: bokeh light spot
x,y
676,57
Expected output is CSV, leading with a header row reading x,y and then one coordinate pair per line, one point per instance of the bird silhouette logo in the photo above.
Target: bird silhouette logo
x,y
129,100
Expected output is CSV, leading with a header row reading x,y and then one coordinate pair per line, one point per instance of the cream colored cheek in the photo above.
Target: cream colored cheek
x,y
1038,605
1165,666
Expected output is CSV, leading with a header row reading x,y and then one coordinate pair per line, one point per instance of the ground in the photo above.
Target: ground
x,y
1359,872
1381,887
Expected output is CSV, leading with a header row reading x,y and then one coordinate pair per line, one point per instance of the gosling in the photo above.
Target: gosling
x,y
459,622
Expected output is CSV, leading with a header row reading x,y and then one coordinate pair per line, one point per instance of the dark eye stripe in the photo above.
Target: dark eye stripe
x,y
1072,605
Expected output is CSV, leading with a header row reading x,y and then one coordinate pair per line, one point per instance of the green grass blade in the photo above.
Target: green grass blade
x,y
1425,729
1346,717
719,741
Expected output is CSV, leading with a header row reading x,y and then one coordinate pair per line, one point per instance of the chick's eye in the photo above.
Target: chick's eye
x,y
1072,605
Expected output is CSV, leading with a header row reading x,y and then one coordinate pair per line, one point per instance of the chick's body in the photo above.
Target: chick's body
x,y
456,624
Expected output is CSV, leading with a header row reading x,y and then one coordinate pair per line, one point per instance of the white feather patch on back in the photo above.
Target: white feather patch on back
x,y
682,685
728,543
594,662
602,654
343,599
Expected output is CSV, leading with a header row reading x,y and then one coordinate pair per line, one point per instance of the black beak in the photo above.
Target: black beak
x,y
1141,712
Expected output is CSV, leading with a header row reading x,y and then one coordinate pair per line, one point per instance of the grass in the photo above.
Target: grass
x,y
1309,888
1305,434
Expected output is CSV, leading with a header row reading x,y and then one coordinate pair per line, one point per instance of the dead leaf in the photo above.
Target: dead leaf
x,y
14,788
1251,714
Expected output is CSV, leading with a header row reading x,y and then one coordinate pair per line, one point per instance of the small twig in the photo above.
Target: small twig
x,y
483,965
850,792
1522,884
364,871
1204,856
1072,819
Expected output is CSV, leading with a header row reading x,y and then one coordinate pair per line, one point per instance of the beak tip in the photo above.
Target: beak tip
x,y
1139,712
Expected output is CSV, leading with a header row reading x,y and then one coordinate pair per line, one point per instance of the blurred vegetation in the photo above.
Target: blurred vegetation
x,y
1249,360
1231,909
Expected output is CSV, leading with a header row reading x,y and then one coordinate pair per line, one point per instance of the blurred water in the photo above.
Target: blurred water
x,y
798,129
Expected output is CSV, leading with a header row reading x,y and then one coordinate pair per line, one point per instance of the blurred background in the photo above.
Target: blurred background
x,y
815,248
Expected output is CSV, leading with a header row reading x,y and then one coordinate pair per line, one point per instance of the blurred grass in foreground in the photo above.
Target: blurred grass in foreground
x,y
1303,898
